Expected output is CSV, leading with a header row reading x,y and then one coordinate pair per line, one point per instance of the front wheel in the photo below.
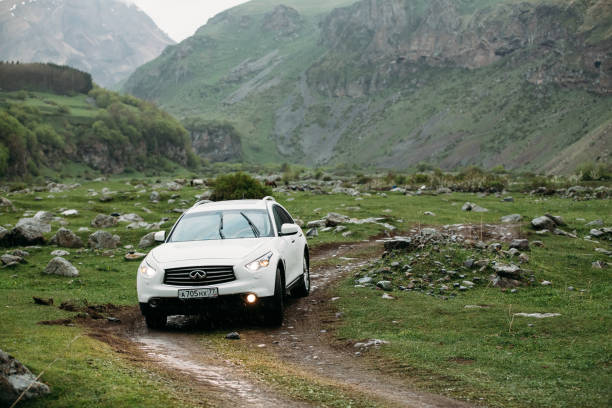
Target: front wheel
x,y
274,307
156,321
302,289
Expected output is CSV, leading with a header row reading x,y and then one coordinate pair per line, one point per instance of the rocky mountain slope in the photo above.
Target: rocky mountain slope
x,y
105,37
391,83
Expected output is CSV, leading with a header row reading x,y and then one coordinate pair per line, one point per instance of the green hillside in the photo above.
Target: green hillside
x,y
43,133
391,83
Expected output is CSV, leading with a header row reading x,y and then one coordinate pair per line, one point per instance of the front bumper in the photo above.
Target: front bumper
x,y
176,306
261,283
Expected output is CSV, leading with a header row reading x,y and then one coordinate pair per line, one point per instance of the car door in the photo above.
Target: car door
x,y
290,244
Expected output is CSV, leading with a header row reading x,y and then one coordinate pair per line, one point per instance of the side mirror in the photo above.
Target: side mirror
x,y
160,236
289,229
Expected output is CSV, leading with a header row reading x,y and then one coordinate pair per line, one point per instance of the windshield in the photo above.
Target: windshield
x,y
234,224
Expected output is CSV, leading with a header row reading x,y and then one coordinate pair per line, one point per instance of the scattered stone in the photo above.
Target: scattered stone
x,y
8,259
546,283
347,233
599,265
603,251
130,218
103,240
67,239
104,221
467,283
385,285
15,378
147,240
520,244
468,263
134,256
508,199
473,207
595,223
335,219
596,233
232,336
154,197
42,301
429,213
543,222
372,342
512,218
60,252
312,232
364,280
113,319
556,219
537,243
60,266
387,296
69,213
538,315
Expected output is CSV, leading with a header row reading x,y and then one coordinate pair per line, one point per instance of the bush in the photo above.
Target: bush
x,y
594,172
238,186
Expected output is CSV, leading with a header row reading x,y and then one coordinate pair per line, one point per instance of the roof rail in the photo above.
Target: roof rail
x,y
202,202
269,198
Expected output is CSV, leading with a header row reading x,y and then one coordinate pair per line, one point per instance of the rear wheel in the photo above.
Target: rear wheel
x,y
302,289
156,321
275,306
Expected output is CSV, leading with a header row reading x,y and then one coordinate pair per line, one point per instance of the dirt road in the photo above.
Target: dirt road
x,y
303,340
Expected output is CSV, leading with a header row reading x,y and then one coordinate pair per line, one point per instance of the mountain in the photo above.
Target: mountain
x,y
107,38
59,124
392,83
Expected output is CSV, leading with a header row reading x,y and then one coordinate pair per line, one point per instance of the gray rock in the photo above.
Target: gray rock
x,y
3,233
316,224
130,218
595,223
15,378
473,207
8,259
508,199
147,241
429,213
384,285
104,221
5,202
60,252
364,280
543,222
469,263
596,233
313,232
44,217
154,197
103,240
232,336
172,186
335,219
67,239
520,244
556,219
60,266
508,271
512,218
29,233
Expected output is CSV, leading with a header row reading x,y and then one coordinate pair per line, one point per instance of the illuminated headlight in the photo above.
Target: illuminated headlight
x,y
261,262
146,270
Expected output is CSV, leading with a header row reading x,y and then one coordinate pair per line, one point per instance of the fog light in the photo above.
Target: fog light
x,y
251,298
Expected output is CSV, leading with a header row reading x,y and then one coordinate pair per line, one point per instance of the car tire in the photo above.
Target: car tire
x,y
156,321
275,305
302,289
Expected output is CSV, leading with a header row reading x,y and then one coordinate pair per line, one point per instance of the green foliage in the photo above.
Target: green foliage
x,y
46,135
44,78
238,186
594,171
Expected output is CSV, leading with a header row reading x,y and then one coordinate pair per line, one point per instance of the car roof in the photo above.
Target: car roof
x,y
230,205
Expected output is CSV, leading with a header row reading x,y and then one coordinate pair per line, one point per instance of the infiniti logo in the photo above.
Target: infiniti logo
x,y
197,275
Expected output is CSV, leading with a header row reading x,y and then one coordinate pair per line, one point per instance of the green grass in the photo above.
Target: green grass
x,y
558,362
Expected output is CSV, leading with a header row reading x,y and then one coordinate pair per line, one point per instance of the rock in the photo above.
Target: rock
x,y
556,219
596,233
67,239
468,283
429,213
466,207
603,251
387,296
507,271
5,202
399,244
105,198
173,186
147,240
546,283
134,256
104,221
29,232
508,199
468,263
197,182
154,196
70,213
473,207
543,222
364,280
340,228
595,223
60,252
232,336
335,219
347,233
599,265
313,232
43,302
384,285
520,244
3,234
130,218
538,315
103,240
15,378
524,258
537,243
512,218
60,266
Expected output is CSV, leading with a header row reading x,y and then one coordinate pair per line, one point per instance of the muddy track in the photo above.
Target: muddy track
x,y
304,340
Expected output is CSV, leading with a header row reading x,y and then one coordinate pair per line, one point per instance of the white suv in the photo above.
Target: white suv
x,y
244,253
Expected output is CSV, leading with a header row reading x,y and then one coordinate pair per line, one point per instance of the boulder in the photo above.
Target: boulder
x,y
5,202
520,244
60,252
154,197
512,218
44,217
147,241
316,224
173,186
508,271
67,239
8,259
130,218
556,219
15,378
28,233
384,285
103,240
60,266
473,207
104,221
543,222
335,219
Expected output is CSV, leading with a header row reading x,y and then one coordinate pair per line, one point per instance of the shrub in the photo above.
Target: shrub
x,y
238,186
594,172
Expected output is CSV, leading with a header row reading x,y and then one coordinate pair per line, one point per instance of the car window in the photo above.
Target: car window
x,y
277,217
204,226
285,217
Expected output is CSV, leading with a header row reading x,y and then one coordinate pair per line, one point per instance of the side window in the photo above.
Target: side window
x,y
277,217
285,217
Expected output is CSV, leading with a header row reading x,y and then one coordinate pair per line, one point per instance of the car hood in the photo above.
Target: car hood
x,y
214,249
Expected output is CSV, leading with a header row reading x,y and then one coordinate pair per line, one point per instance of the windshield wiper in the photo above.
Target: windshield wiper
x,y
253,227
221,227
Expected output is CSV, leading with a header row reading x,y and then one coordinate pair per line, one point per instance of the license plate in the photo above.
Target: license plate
x,y
198,293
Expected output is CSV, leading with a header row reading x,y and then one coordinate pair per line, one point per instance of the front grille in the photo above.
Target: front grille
x,y
214,275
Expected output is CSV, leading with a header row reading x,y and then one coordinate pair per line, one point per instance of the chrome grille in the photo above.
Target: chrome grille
x,y
214,275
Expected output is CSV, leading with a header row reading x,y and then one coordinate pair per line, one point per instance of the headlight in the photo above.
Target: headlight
x,y
146,270
261,262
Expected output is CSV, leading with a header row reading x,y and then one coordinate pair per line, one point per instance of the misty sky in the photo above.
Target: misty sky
x,y
181,18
